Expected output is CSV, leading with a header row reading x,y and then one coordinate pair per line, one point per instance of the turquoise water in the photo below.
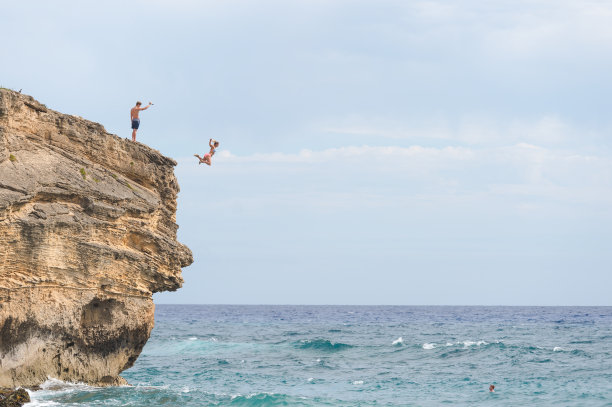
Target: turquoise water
x,y
363,356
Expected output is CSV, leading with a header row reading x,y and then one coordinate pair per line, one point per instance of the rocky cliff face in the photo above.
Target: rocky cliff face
x,y
87,235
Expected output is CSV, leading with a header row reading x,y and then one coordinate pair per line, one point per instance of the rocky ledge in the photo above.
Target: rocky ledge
x,y
13,398
87,235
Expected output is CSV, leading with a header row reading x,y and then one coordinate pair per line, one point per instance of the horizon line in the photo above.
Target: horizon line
x,y
379,305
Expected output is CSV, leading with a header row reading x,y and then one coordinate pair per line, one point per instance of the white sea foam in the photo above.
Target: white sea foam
x,y
40,403
429,346
449,344
358,382
310,379
193,338
53,385
147,386
250,396
56,384
472,343
398,341
558,349
35,402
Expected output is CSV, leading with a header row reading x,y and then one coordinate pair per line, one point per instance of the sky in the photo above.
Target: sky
x,y
371,152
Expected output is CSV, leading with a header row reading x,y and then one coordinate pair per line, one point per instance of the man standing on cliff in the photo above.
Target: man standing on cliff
x,y
134,117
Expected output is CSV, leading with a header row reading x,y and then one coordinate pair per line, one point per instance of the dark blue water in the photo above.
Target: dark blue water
x,y
225,355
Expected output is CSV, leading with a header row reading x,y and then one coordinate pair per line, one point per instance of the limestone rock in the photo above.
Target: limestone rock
x,y
87,235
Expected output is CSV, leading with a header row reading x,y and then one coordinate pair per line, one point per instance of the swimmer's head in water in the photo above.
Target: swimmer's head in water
x,y
138,103
492,388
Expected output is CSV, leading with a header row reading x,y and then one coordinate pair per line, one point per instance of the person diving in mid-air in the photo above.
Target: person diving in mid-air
x,y
207,157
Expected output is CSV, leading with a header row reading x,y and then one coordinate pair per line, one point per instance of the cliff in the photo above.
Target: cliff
x,y
87,235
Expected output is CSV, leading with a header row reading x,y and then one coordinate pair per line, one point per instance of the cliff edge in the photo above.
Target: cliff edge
x,y
87,235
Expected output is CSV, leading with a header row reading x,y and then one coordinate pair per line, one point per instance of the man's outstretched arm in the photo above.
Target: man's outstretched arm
x,y
146,107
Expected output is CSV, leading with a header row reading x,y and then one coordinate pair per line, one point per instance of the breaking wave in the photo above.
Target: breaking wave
x,y
322,344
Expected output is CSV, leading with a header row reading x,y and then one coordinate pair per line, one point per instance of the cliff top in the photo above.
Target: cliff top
x,y
36,106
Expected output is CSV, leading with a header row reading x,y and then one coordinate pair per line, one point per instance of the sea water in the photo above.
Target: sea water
x,y
224,355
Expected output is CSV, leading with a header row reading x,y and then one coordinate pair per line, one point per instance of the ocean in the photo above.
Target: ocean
x,y
235,355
